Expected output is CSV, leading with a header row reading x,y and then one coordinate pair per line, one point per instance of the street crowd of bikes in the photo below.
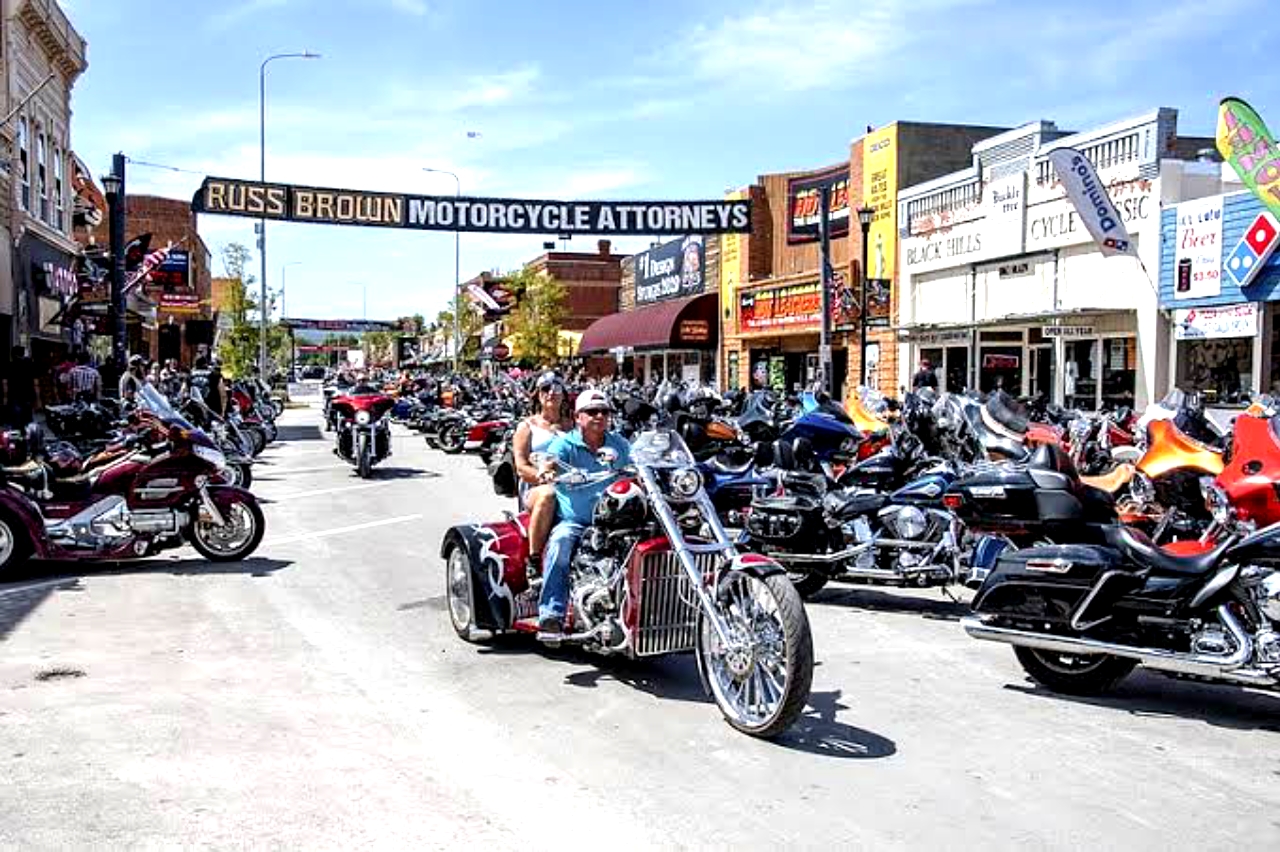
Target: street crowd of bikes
x,y
1093,542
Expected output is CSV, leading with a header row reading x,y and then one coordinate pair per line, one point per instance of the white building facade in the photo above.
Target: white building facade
x,y
1002,286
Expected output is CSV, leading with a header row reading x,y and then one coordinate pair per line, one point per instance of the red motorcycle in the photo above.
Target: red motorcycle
x,y
152,490
645,581
364,432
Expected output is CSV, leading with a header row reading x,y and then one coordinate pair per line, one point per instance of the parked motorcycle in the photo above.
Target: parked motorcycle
x,y
640,586
364,434
151,491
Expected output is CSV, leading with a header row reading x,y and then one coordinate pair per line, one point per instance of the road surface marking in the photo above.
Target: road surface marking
x,y
289,539
286,495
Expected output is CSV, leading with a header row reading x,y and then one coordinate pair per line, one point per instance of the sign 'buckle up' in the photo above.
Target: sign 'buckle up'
x,y
288,203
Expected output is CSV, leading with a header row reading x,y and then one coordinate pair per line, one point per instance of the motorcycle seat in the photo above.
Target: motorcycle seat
x,y
721,465
1005,412
1111,482
852,504
1138,547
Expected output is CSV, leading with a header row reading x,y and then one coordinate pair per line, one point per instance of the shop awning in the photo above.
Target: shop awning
x,y
678,324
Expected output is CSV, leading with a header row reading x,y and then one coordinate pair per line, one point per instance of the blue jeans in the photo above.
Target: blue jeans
x,y
554,601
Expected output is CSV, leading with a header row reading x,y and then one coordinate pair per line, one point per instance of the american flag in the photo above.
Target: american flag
x,y
143,273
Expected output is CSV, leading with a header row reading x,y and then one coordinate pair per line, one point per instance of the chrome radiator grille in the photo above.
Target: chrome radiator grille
x,y
668,607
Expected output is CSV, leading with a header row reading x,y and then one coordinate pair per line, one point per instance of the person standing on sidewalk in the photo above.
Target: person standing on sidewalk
x,y
21,389
132,380
83,382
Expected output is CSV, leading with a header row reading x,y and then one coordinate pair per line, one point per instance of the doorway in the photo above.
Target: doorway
x,y
170,342
1042,371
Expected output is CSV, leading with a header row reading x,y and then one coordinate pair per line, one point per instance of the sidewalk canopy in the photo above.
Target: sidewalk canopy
x,y
678,324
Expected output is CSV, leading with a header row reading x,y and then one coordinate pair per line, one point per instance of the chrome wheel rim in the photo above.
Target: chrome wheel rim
x,y
234,475
749,675
233,536
459,587
7,543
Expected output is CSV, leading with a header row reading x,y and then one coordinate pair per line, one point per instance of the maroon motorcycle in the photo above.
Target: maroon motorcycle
x,y
154,489
364,432
655,573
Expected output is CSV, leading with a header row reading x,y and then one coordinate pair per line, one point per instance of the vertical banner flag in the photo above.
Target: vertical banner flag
x,y
1093,205
1244,142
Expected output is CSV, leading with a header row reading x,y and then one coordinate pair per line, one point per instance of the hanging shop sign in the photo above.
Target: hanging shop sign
x,y
1198,261
804,208
788,307
288,203
880,193
354,326
1215,323
1066,331
1254,249
694,331
173,273
672,270
180,303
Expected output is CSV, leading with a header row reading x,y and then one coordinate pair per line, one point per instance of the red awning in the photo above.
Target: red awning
x,y
679,324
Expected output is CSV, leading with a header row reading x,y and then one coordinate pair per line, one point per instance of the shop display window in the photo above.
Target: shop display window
x,y
1221,369
1119,371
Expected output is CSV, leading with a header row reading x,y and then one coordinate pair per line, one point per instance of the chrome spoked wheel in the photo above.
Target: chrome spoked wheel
x,y
233,540
8,544
760,678
457,582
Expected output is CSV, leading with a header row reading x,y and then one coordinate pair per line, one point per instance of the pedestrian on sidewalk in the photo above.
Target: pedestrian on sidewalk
x,y
83,382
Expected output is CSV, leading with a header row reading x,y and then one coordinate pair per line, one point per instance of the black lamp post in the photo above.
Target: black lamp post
x,y
865,215
113,184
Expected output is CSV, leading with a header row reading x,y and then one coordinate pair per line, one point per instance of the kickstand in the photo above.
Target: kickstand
x,y
947,591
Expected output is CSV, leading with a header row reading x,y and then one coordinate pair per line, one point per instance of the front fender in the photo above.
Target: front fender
x,y
24,512
755,565
493,550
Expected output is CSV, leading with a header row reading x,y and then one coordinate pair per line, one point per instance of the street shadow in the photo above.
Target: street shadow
x,y
404,473
254,566
673,678
298,433
927,603
1148,694
819,732
17,605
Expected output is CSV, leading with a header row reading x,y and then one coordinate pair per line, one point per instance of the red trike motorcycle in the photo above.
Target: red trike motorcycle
x,y
655,573
364,432
151,490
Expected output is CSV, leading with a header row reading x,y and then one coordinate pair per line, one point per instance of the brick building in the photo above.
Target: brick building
x,y
181,288
770,283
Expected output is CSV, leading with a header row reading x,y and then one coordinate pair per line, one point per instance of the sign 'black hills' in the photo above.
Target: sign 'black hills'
x,y
290,203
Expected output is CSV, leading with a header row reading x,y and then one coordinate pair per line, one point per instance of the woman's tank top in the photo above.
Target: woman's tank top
x,y
539,440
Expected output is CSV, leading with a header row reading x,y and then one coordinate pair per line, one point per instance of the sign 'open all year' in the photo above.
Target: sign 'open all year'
x,y
290,203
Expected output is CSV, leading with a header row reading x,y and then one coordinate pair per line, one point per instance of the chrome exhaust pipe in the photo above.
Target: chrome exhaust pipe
x,y
1199,665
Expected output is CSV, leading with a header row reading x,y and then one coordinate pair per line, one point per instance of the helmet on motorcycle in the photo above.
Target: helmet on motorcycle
x,y
621,505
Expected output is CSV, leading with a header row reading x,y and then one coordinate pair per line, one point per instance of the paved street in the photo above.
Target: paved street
x,y
315,697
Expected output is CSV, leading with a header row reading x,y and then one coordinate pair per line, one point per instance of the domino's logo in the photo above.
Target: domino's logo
x,y
1251,253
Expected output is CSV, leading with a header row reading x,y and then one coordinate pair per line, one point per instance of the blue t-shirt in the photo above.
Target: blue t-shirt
x,y
577,503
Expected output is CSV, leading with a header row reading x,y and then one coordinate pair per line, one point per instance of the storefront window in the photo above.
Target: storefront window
x,y
1001,369
1080,374
1119,371
1222,369
24,163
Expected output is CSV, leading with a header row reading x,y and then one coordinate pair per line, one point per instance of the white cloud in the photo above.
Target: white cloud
x,y
239,12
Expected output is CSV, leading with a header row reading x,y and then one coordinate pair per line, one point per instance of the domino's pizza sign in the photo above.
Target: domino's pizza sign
x,y
1251,253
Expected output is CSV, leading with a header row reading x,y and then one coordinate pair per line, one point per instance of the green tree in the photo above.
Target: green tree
x,y
538,315
238,349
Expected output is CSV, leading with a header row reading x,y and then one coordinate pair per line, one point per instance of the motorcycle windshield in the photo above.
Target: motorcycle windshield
x,y
661,448
759,409
155,402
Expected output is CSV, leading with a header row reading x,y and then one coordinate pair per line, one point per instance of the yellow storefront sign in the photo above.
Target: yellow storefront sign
x,y
880,191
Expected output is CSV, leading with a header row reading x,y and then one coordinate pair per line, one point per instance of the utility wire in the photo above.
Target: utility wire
x,y
145,164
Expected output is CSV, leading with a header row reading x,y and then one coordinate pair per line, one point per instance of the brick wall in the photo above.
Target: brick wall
x,y
592,282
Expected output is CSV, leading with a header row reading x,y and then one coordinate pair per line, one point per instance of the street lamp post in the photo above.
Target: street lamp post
x,y
114,186
457,277
262,163
865,215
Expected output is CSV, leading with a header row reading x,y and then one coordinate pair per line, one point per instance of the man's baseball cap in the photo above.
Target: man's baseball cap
x,y
590,400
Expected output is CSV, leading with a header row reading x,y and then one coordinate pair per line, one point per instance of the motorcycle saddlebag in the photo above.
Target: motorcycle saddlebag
x,y
794,522
1050,583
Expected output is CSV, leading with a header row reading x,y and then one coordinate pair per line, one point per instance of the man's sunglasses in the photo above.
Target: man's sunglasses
x,y
597,412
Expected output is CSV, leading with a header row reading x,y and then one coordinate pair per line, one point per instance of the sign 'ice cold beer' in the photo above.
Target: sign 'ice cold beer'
x,y
1198,259
287,203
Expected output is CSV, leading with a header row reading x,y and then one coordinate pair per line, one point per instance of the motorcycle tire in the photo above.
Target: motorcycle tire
x,y
364,458
257,439
1087,674
203,535
796,658
277,405
459,593
239,475
15,547
272,431
453,440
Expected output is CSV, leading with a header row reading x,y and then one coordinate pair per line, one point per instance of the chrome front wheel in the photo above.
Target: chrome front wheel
x,y
235,539
761,677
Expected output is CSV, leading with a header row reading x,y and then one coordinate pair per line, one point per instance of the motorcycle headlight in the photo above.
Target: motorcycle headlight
x,y
910,522
1216,501
212,456
362,417
686,482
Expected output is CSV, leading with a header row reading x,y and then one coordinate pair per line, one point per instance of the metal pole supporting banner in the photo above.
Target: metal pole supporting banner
x,y
862,304
824,244
262,223
116,229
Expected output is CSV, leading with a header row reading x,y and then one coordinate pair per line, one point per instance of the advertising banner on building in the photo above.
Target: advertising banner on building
x,y
1244,141
1198,257
173,273
802,202
672,270
1216,323
787,307
880,192
1004,205
1088,194
287,203
730,267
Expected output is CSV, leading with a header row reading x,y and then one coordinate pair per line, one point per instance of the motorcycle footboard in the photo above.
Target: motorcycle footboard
x,y
1053,583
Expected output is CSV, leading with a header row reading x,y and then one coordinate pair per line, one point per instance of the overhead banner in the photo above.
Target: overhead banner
x,y
288,203
1088,194
1244,141
804,206
671,271
353,326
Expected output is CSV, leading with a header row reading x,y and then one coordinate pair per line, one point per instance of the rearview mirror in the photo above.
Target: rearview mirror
x,y
606,456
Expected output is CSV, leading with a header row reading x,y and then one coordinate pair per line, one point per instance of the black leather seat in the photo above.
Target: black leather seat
x,y
850,504
1007,412
1052,457
1137,546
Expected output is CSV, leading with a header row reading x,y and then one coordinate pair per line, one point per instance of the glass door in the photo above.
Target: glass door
x,y
1042,371
1080,374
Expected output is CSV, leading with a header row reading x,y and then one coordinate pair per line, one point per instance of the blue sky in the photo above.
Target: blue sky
x,y
601,100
